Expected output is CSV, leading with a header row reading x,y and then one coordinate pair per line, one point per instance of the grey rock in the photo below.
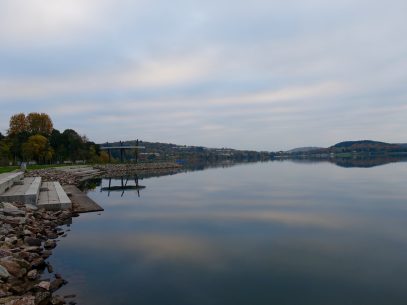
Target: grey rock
x,y
7,205
32,275
42,297
57,300
50,244
4,274
44,285
31,207
33,241
12,212
56,284
24,300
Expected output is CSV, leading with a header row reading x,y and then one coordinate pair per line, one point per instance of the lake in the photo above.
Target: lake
x,y
262,233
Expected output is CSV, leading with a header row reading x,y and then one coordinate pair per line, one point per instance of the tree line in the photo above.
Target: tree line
x,y
32,137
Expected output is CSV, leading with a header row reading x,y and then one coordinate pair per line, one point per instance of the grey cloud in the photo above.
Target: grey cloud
x,y
210,73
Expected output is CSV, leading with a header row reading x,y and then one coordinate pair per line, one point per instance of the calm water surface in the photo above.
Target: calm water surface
x,y
265,233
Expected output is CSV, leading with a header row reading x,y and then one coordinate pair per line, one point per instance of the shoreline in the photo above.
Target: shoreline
x,y
28,234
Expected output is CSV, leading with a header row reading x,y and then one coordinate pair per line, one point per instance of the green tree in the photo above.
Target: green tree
x,y
5,152
37,148
16,141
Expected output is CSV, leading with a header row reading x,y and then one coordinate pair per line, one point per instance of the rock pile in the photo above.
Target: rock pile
x,y
27,236
51,174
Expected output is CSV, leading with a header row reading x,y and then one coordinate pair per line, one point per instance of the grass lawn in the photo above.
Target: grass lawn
x,y
6,169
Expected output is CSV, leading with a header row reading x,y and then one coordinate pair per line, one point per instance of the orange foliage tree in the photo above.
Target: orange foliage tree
x,y
18,124
33,123
39,123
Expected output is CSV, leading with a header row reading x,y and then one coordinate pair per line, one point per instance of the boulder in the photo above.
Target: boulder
x,y
13,268
31,207
22,300
56,284
42,297
32,275
44,285
7,205
4,274
57,300
12,212
33,241
50,244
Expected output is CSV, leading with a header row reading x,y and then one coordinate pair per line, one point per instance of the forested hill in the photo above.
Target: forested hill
x,y
362,146
366,145
362,143
165,151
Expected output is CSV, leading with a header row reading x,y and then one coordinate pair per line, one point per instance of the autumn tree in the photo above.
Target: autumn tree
x,y
37,148
104,157
25,140
39,123
18,124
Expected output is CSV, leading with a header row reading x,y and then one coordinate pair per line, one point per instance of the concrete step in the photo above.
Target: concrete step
x,y
26,192
53,197
7,180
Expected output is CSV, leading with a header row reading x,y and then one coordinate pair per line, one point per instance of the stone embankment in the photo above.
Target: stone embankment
x,y
27,237
121,170
54,174
74,175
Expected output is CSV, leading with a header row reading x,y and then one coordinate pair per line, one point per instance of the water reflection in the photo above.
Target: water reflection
x,y
125,185
265,233
353,161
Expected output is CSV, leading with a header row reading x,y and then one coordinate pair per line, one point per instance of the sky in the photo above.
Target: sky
x,y
262,75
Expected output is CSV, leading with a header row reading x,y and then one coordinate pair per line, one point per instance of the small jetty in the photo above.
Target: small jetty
x,y
81,203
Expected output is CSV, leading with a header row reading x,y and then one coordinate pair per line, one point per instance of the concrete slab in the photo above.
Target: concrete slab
x,y
53,197
26,192
62,196
7,180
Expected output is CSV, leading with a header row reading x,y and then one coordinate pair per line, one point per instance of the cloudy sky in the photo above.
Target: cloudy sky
x,y
263,75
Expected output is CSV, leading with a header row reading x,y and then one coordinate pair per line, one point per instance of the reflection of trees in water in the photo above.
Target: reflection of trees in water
x,y
92,184
362,162
367,162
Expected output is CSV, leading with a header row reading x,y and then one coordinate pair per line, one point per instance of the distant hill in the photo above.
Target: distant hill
x,y
366,146
351,148
304,149
364,143
154,151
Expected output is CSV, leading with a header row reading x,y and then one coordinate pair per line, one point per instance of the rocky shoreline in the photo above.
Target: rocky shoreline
x,y
53,174
107,171
27,237
122,170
